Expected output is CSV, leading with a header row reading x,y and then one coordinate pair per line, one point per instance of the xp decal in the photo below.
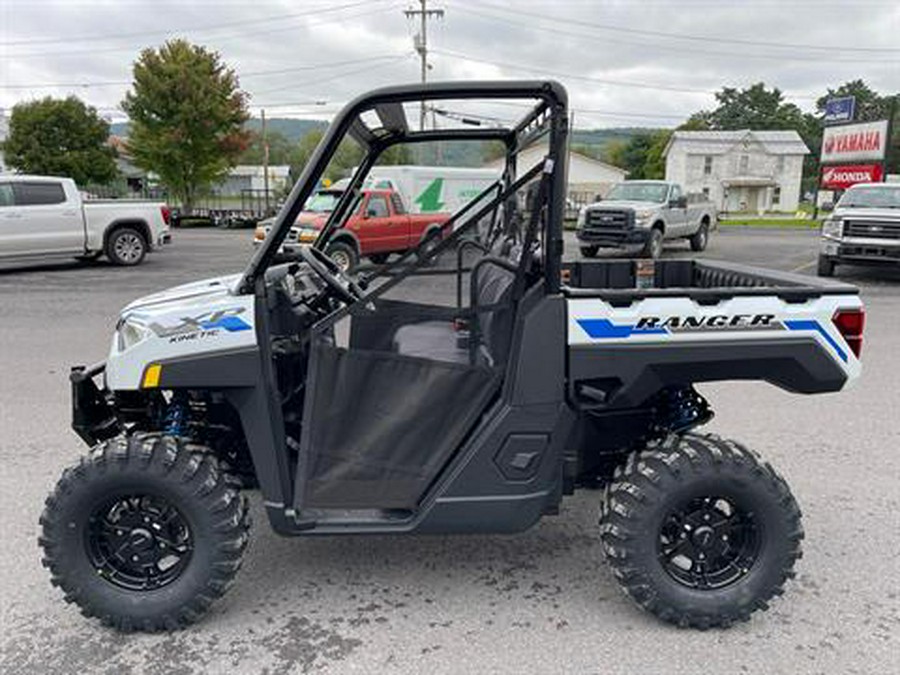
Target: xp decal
x,y
208,322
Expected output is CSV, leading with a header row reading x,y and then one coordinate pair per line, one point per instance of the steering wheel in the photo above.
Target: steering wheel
x,y
346,289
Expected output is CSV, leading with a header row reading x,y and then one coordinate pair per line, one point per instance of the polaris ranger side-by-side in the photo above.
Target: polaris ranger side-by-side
x,y
355,409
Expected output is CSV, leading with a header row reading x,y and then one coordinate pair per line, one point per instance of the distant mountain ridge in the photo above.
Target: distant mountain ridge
x,y
294,130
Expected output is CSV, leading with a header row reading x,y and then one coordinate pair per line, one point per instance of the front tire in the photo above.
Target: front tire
x,y
126,247
699,531
700,238
343,255
825,267
144,533
654,246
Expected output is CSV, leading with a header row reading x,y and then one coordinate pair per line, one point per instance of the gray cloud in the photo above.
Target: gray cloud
x,y
41,43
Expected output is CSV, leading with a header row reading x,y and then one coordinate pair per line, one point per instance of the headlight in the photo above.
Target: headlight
x,y
643,214
832,228
260,233
307,234
130,333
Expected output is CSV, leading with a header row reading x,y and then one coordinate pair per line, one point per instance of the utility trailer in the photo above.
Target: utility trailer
x,y
467,387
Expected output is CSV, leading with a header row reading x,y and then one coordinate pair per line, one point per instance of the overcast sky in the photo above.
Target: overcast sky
x,y
625,63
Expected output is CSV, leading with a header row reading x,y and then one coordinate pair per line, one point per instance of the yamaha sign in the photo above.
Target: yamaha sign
x,y
854,142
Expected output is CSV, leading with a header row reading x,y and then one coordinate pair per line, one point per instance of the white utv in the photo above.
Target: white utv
x,y
355,409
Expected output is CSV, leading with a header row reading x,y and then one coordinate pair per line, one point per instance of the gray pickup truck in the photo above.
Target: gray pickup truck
x,y
643,214
864,228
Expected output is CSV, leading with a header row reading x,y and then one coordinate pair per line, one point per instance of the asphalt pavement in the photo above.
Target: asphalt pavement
x,y
539,602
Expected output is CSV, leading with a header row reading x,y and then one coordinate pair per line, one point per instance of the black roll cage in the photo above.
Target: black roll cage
x,y
549,116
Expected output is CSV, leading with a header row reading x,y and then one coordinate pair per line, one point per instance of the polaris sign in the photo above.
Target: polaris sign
x,y
854,142
839,110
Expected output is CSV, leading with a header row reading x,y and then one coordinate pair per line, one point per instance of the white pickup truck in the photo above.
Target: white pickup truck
x,y
44,216
642,214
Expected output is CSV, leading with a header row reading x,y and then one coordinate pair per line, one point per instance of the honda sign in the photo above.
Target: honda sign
x,y
843,176
854,142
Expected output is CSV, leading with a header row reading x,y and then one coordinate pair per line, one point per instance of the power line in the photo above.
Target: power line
x,y
693,38
280,71
597,80
211,27
686,50
241,34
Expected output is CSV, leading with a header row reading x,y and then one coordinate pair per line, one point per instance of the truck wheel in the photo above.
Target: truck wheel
x,y
654,246
144,534
343,254
126,246
699,531
700,238
589,251
825,267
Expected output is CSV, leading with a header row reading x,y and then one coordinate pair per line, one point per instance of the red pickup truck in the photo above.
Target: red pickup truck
x,y
378,225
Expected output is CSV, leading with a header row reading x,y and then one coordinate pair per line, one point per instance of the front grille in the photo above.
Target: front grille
x,y
596,219
872,229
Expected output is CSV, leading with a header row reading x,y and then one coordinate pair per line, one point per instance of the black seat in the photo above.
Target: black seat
x,y
440,341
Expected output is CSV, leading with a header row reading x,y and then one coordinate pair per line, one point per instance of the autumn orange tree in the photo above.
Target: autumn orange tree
x,y
187,115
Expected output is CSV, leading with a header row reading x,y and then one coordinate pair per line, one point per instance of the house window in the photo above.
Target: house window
x,y
707,165
779,164
744,165
776,196
706,193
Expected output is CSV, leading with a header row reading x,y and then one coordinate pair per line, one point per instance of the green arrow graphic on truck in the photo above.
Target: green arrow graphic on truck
x,y
430,199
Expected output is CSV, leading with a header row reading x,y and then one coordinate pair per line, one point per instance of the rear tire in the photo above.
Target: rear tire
x,y
144,533
589,251
126,247
700,238
699,531
343,255
825,267
654,246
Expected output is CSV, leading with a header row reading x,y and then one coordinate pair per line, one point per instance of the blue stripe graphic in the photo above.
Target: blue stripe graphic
x,y
605,329
808,324
230,323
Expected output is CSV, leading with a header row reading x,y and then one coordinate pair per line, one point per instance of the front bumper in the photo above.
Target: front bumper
x,y
93,417
612,238
860,251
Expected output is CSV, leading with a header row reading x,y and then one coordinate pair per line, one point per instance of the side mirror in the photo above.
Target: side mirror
x,y
827,206
678,203
371,213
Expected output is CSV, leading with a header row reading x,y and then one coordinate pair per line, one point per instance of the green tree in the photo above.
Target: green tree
x,y
349,155
187,117
280,148
754,108
631,155
60,137
654,162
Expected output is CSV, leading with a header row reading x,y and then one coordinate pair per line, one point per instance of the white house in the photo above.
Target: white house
x,y
742,170
587,176
253,177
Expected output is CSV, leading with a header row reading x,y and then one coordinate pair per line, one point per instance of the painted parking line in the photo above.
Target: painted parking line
x,y
804,266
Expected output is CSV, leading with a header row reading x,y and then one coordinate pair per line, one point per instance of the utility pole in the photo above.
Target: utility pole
x,y
421,44
265,144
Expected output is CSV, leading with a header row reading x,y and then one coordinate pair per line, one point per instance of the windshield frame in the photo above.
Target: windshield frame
x,y
550,104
